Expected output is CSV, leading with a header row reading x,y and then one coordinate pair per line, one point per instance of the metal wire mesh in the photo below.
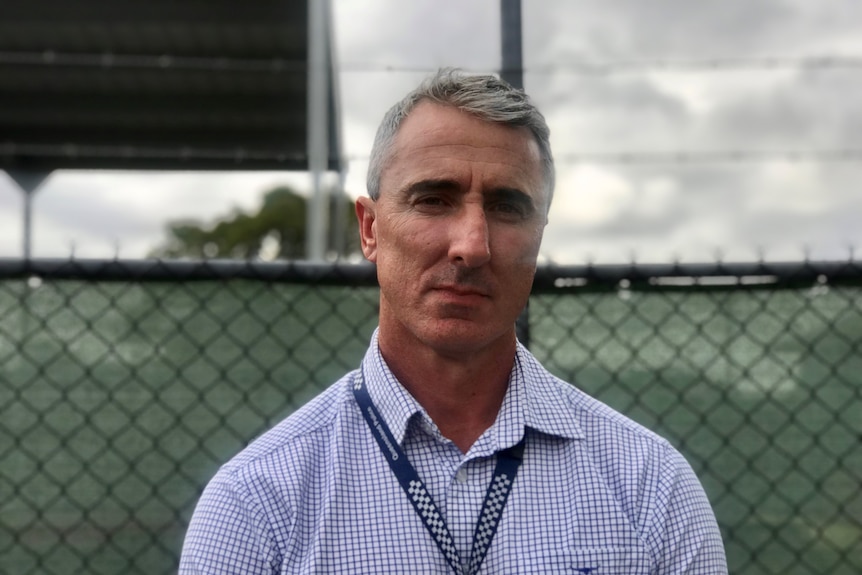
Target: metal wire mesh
x,y
124,385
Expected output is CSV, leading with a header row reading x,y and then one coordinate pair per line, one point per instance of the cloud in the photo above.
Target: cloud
x,y
602,207
11,218
566,30
697,207
99,213
380,34
626,114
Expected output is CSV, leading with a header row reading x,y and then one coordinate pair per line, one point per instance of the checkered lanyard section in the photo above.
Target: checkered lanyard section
x,y
508,462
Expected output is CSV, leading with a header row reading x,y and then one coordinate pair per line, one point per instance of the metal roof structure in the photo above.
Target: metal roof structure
x,y
157,84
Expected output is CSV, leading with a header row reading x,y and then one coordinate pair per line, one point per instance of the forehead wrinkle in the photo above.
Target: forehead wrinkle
x,y
462,145
517,166
524,160
475,153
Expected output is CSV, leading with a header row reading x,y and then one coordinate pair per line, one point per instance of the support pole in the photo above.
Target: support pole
x,y
512,46
318,152
29,182
338,223
512,71
27,241
339,218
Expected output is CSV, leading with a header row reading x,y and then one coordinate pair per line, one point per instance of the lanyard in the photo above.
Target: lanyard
x,y
508,462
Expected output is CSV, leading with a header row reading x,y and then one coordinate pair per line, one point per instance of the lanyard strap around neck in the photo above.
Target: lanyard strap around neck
x,y
508,462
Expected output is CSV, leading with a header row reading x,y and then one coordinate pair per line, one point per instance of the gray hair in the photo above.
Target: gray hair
x,y
486,97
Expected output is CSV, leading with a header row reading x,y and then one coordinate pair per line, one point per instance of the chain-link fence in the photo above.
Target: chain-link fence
x,y
124,385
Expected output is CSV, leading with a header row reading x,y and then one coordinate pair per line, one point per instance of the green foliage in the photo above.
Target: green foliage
x,y
276,231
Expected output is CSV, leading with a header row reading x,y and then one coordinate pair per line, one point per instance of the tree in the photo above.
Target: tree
x,y
276,231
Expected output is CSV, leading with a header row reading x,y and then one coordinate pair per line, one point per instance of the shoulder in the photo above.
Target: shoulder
x,y
276,470
632,462
311,425
553,401
254,499
646,476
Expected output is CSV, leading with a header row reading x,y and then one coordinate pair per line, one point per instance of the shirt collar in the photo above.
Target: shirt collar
x,y
548,408
394,402
532,400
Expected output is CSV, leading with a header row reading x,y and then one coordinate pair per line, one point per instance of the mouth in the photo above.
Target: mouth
x,y
459,291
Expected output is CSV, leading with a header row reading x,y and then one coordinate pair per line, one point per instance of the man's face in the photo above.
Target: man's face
x,y
456,230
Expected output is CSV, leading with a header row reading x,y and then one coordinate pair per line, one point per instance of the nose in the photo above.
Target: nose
x,y
469,244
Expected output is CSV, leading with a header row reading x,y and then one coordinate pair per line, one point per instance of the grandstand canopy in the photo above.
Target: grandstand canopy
x,y
156,84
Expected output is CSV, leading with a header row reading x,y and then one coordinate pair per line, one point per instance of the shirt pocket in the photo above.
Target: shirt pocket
x,y
608,561
618,560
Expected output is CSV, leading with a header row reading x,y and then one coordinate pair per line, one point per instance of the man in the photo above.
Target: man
x,y
450,449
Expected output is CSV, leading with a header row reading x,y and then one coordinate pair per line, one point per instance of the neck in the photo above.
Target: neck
x,y
462,395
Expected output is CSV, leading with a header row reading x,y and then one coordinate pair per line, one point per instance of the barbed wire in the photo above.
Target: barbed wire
x,y
848,155
237,154
589,66
151,61
241,154
683,157
577,64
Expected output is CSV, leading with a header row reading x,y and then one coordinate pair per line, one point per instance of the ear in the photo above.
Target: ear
x,y
367,215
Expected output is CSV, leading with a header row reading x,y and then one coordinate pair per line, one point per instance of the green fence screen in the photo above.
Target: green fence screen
x,y
123,387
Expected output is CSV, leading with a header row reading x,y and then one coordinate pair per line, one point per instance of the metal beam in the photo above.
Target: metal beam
x,y
318,130
512,47
512,71
29,181
339,216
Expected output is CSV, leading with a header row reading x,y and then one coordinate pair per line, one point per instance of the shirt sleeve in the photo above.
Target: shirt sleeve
x,y
685,532
228,533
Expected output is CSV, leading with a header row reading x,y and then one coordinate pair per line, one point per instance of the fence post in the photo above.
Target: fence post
x,y
522,326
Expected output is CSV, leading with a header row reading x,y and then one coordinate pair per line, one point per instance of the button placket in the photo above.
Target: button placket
x,y
462,475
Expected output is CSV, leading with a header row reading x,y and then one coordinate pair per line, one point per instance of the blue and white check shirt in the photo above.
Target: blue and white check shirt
x,y
596,494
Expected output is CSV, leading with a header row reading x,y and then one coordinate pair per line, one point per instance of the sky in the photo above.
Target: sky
x,y
682,130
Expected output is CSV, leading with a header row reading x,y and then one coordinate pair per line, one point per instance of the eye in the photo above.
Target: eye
x,y
429,201
508,210
508,204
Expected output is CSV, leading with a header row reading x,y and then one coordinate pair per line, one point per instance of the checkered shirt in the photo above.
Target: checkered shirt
x,y
596,494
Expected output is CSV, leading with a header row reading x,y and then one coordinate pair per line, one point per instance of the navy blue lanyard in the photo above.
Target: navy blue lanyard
x,y
508,462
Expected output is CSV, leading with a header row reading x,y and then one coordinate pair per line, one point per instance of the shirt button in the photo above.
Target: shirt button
x,y
461,475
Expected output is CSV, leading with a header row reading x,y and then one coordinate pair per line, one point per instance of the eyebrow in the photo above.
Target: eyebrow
x,y
513,195
444,184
